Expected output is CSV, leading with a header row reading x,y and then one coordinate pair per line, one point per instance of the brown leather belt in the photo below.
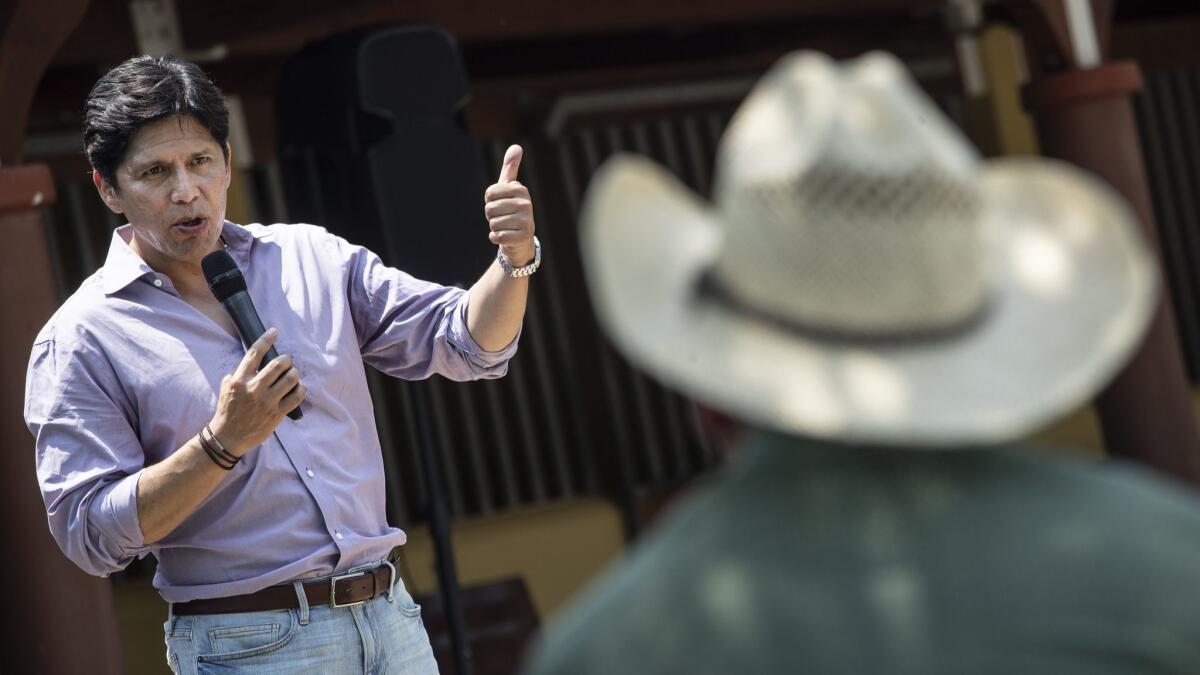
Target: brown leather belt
x,y
342,590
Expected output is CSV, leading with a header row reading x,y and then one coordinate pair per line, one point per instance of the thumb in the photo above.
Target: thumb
x,y
512,162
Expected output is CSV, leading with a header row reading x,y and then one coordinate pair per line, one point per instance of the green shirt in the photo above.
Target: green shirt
x,y
806,557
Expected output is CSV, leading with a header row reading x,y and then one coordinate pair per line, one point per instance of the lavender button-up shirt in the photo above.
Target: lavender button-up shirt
x,y
126,372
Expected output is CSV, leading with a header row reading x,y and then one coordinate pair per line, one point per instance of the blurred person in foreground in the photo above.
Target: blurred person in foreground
x,y
886,313
158,434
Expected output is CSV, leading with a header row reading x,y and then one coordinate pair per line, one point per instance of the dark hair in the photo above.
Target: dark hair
x,y
142,90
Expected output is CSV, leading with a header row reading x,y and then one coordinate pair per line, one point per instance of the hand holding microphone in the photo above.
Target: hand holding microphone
x,y
264,386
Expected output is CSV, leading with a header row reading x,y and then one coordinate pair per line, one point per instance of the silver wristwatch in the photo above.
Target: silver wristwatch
x,y
521,271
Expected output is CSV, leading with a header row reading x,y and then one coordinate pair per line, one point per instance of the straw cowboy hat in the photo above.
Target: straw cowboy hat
x,y
863,275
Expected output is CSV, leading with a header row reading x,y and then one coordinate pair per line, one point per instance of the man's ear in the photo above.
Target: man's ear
x,y
108,192
228,164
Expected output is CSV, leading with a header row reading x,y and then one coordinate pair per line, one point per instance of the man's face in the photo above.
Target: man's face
x,y
171,186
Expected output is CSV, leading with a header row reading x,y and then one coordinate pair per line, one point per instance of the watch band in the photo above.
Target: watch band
x,y
521,271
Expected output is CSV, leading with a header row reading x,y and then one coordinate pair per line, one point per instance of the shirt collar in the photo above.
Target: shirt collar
x,y
122,266
237,238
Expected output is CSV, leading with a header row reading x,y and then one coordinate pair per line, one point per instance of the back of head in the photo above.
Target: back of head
x,y
142,90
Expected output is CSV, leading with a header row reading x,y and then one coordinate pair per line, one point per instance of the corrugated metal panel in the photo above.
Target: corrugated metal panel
x,y
1168,113
572,416
678,126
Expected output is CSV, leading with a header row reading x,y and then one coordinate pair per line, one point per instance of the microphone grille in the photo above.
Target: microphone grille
x,y
222,274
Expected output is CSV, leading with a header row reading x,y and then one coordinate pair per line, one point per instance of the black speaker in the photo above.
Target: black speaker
x,y
373,145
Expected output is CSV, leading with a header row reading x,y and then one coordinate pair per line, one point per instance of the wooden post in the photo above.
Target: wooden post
x,y
55,618
1082,110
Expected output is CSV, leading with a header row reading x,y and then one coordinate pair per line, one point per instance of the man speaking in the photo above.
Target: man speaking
x,y
158,433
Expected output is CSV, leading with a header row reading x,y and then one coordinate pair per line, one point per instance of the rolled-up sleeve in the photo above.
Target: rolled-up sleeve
x,y
88,456
410,328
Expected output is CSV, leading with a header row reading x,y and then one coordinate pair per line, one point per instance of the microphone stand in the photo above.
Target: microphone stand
x,y
439,527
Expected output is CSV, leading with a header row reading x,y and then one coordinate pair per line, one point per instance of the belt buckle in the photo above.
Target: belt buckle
x,y
333,589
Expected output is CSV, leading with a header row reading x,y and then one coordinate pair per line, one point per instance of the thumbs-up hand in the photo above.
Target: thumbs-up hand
x,y
510,212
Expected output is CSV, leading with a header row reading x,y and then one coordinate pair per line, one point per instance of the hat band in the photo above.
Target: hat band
x,y
710,288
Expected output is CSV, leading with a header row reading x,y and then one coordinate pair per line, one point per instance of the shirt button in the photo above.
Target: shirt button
x,y
158,282
309,472
338,535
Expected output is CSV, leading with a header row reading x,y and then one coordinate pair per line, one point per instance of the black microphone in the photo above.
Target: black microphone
x,y
229,286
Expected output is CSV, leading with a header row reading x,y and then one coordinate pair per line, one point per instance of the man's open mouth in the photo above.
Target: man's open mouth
x,y
189,223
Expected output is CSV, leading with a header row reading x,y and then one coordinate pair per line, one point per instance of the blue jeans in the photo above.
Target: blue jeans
x,y
376,637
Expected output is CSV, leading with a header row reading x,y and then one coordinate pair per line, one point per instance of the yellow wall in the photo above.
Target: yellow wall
x,y
555,549
1078,432
1004,67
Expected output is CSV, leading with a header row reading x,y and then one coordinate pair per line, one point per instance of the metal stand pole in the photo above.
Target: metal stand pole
x,y
439,527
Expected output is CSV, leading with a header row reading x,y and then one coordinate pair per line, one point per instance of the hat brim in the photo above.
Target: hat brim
x,y
1072,288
